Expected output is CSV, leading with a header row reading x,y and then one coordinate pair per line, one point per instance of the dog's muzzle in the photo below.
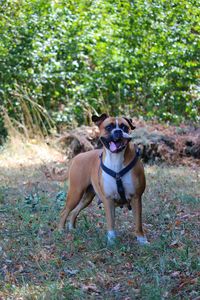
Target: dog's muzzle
x,y
116,141
117,134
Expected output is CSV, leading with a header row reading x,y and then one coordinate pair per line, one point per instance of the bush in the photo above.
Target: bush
x,y
77,57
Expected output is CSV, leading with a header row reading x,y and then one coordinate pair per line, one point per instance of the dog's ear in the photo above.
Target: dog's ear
x,y
130,122
99,119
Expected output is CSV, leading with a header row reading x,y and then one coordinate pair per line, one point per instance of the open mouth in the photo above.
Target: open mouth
x,y
117,146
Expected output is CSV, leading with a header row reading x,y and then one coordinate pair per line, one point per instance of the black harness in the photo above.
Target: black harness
x,y
119,175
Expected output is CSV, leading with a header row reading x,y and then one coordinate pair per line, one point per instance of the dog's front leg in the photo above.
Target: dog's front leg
x,y
110,219
136,204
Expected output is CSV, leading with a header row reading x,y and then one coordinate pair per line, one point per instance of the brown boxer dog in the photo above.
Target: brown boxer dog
x,y
115,174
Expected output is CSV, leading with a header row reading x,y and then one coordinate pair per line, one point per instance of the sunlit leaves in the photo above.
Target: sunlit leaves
x,y
139,54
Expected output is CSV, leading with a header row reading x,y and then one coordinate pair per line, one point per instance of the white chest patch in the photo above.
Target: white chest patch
x,y
114,161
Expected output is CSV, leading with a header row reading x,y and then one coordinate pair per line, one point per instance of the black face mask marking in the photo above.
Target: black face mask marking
x,y
110,127
124,127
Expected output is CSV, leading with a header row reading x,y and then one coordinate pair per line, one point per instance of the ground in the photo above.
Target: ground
x,y
37,262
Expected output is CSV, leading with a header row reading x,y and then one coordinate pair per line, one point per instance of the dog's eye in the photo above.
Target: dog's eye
x,y
124,127
110,127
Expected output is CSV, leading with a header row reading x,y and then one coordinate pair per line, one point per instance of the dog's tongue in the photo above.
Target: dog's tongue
x,y
113,147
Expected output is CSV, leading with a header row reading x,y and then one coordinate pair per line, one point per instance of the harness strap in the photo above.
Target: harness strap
x,y
120,174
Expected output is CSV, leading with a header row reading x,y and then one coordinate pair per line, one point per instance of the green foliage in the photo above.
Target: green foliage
x,y
75,57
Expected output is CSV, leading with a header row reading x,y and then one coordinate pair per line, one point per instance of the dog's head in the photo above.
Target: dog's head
x,y
114,132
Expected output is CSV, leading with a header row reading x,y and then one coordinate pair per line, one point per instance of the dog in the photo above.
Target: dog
x,y
115,174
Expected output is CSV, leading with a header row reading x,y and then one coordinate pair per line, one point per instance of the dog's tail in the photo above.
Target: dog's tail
x,y
56,174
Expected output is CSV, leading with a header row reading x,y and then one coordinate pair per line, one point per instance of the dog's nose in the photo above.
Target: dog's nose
x,y
117,134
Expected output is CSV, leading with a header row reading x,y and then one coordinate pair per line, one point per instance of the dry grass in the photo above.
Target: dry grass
x,y
19,156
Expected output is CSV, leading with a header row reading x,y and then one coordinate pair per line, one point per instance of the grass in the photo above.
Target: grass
x,y
36,262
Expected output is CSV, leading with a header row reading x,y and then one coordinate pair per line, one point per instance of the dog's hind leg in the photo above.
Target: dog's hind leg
x,y
73,198
85,201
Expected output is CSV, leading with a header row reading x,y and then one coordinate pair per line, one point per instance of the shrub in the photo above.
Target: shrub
x,y
76,57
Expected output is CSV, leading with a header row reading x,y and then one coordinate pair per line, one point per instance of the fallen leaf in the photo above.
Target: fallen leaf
x,y
177,223
175,244
70,272
91,264
90,288
130,282
175,274
19,269
116,288
183,283
187,281
128,265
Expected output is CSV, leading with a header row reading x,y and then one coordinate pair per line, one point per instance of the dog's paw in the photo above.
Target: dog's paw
x,y
142,240
70,226
111,237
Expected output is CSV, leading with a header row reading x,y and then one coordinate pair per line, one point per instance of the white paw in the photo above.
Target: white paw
x,y
111,237
70,226
142,240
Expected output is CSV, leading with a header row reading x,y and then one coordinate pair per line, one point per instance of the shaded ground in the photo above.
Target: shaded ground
x,y
36,262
